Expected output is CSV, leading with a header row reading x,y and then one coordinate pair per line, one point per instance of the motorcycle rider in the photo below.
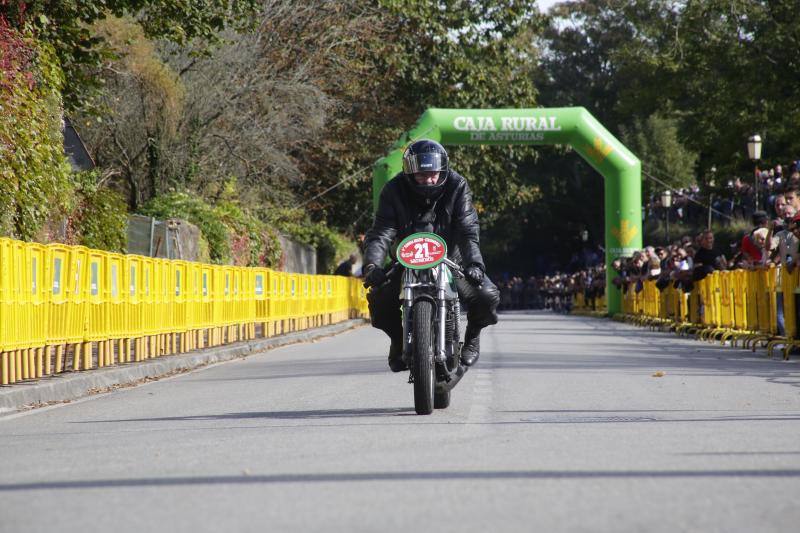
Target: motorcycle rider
x,y
428,196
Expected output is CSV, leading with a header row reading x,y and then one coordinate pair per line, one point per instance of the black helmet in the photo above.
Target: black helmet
x,y
425,156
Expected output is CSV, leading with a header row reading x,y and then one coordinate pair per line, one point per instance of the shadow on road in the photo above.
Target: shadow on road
x,y
738,453
397,476
628,419
390,417
340,372
278,415
701,362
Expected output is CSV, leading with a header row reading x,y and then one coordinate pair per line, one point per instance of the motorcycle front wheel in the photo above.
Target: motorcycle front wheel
x,y
423,365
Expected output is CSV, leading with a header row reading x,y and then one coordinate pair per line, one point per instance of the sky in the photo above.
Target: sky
x,y
544,5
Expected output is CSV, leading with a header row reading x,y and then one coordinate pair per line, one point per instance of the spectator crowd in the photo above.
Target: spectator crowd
x,y
772,239
738,199
555,292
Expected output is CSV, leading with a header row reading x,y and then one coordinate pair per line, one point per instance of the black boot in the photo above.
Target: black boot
x,y
396,363
472,346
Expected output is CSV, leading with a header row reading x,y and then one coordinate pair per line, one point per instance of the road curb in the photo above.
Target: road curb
x,y
66,387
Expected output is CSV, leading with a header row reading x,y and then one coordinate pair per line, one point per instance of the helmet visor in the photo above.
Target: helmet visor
x,y
424,162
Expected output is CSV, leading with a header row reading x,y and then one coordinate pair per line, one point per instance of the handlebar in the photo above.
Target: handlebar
x,y
454,267
389,274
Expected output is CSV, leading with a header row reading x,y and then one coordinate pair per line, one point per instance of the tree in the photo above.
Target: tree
x,y
655,141
254,108
143,103
453,53
66,25
725,69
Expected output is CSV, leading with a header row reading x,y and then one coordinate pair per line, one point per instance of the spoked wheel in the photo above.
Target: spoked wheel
x,y
423,365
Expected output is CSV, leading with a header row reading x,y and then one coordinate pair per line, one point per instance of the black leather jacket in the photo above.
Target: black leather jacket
x,y
402,212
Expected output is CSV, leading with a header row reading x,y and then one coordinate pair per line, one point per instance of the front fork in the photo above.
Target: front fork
x,y
440,354
408,301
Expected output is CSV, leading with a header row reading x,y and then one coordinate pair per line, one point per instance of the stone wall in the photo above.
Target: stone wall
x,y
170,239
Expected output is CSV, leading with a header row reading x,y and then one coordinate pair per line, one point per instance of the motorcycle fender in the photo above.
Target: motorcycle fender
x,y
427,297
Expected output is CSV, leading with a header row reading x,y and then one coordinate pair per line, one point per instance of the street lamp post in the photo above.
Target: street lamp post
x,y
754,153
712,183
666,203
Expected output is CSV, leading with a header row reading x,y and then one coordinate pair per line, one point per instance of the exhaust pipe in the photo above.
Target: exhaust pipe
x,y
455,377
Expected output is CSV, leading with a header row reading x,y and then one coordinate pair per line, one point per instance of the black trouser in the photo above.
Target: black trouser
x,y
481,304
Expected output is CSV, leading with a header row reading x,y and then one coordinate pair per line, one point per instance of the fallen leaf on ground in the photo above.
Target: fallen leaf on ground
x,y
659,374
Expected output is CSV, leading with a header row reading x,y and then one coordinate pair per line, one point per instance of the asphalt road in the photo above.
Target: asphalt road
x,y
562,426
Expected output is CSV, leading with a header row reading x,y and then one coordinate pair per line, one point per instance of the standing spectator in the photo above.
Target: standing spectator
x,y
516,292
345,268
787,257
791,196
754,242
779,205
707,259
531,294
505,296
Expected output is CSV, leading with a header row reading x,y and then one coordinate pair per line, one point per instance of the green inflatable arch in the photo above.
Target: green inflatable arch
x,y
574,126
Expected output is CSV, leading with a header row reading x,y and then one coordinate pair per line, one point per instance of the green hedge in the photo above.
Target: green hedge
x,y
234,236
100,218
332,247
34,173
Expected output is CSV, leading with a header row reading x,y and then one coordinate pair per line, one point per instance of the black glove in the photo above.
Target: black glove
x,y
374,276
474,275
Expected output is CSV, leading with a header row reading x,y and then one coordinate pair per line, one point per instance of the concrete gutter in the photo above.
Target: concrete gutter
x,y
68,386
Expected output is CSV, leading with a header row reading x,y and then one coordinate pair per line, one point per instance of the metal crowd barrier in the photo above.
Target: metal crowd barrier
x,y
67,308
739,307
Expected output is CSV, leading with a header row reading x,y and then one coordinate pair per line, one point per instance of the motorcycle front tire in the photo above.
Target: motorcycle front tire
x,y
423,365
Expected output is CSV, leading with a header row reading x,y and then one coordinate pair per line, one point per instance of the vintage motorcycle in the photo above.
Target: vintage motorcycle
x,y
431,319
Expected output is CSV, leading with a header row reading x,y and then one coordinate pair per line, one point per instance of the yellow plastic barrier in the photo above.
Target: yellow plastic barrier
x,y
194,286
329,298
166,295
739,305
762,303
149,304
305,304
321,309
725,303
740,313
223,275
134,306
134,318
97,322
789,282
39,297
67,308
237,315
7,322
249,296
181,298
284,294
294,308
116,297
276,305
205,316
260,281
18,294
